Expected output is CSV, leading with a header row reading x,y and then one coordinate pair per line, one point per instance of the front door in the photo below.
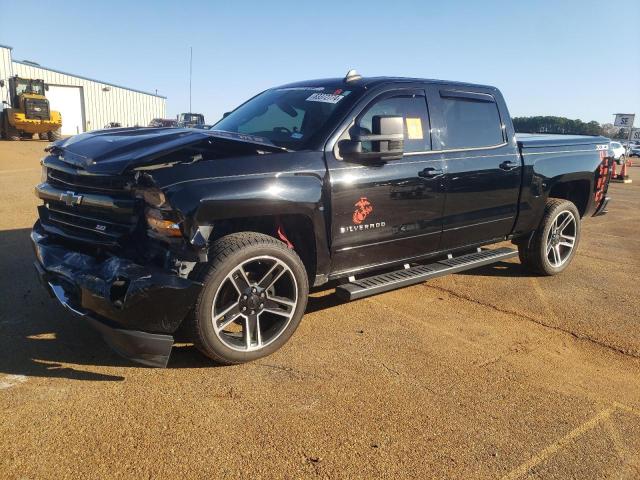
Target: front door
x,y
383,212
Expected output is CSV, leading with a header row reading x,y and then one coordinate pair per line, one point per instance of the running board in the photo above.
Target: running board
x,y
410,276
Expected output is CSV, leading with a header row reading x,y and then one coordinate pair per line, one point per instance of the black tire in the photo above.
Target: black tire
x,y
54,135
43,136
540,254
227,255
10,132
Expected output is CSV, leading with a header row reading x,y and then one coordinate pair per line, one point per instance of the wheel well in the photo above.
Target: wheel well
x,y
576,192
297,229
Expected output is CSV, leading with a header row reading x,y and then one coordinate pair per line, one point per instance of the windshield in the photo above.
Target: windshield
x,y
26,86
289,117
192,117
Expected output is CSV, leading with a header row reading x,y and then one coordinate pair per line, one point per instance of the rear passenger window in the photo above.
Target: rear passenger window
x,y
470,122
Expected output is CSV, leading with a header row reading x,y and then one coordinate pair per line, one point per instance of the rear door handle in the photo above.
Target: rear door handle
x,y
508,165
431,172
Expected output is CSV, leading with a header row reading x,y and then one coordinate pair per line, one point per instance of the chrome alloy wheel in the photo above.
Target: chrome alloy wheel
x,y
254,303
561,238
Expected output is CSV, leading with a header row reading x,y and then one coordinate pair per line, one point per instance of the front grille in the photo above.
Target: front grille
x,y
100,224
98,184
36,108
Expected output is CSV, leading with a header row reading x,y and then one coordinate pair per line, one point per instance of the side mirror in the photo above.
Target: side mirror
x,y
226,114
386,142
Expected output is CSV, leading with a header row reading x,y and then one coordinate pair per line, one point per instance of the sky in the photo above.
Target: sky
x,y
577,59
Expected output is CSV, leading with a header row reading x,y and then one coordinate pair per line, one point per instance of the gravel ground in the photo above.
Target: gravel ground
x,y
489,374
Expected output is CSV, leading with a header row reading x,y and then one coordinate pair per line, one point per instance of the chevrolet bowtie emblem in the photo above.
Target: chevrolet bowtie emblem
x,y
70,198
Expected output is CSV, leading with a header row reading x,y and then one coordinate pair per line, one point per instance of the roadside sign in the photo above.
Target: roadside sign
x,y
624,120
635,134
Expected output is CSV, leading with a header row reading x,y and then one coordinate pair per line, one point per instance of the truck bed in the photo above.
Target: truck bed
x,y
542,140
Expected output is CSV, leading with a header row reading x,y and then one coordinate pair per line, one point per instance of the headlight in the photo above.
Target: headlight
x,y
154,197
163,222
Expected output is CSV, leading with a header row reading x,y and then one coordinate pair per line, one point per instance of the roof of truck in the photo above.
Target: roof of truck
x,y
370,82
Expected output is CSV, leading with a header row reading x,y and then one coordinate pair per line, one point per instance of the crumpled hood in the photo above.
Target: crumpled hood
x,y
112,151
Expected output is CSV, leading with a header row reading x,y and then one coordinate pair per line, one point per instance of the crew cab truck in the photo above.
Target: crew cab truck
x,y
370,183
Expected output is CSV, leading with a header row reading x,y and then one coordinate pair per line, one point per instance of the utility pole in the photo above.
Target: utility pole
x,y
190,74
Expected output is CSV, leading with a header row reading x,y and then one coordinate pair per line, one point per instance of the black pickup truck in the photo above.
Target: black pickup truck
x,y
368,183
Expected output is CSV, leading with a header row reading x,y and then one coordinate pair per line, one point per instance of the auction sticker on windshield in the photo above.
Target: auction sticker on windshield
x,y
324,98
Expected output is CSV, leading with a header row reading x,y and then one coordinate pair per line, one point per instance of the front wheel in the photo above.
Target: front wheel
x,y
254,296
553,244
10,132
54,135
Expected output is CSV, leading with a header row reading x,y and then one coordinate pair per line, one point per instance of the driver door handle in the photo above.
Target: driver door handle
x,y
431,172
508,165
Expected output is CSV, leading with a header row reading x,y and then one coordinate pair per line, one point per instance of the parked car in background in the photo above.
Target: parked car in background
x,y
204,126
113,125
163,122
619,152
190,120
634,151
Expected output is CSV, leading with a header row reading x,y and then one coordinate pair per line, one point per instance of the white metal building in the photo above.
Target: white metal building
x,y
85,104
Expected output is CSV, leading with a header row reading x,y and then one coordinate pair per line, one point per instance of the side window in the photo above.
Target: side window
x,y
413,108
470,122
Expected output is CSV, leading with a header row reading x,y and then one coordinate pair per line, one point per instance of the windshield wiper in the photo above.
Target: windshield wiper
x,y
245,138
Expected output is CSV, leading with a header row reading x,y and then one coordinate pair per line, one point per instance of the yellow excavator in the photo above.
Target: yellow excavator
x,y
28,112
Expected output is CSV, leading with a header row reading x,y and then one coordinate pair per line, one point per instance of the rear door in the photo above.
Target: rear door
x,y
383,212
483,169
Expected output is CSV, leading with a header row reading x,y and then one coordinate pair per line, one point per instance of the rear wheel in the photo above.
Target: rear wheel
x,y
43,136
54,135
254,296
553,244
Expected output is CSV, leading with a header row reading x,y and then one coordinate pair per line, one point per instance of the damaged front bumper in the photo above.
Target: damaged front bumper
x,y
136,308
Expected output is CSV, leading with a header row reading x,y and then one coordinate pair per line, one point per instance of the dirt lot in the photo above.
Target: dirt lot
x,y
490,374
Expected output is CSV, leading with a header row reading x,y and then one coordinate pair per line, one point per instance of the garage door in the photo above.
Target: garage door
x,y
67,101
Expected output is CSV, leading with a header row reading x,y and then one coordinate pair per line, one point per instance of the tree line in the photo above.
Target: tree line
x,y
566,126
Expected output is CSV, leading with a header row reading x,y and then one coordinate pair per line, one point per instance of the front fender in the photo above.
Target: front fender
x,y
207,201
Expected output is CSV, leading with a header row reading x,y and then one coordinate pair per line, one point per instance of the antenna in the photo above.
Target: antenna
x,y
190,74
